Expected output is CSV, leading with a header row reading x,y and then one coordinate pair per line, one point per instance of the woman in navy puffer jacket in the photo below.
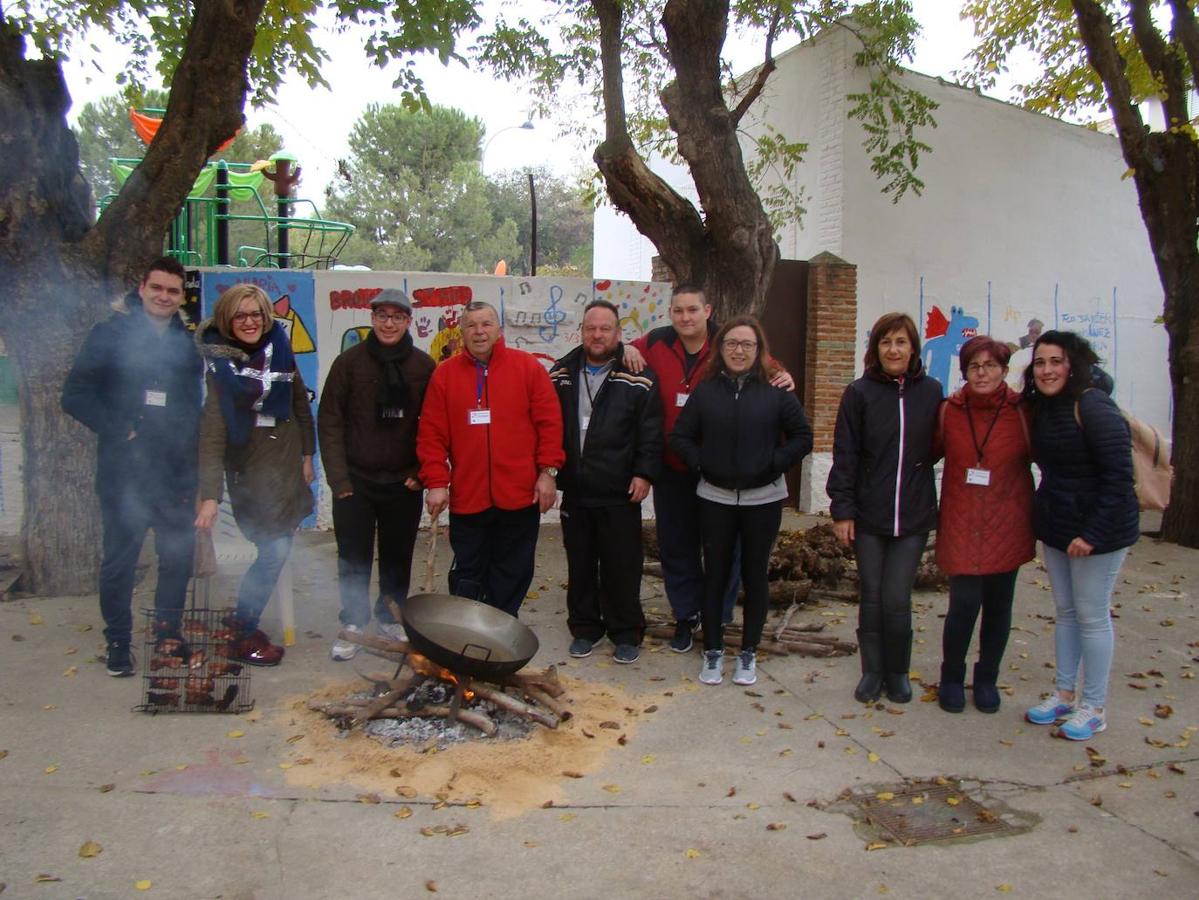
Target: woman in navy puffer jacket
x,y
1086,516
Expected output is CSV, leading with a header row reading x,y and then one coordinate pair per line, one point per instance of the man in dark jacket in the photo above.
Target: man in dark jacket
x,y
136,384
367,426
612,424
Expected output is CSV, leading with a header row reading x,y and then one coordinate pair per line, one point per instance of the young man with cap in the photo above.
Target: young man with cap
x,y
367,424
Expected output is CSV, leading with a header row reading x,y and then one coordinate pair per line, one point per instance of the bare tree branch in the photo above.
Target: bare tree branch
x,y
1095,29
1187,34
1166,67
764,71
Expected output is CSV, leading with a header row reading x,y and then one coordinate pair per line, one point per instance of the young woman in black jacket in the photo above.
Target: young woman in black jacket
x,y
1085,514
884,501
740,435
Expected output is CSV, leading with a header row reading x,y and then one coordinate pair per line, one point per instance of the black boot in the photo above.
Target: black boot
x,y
898,650
951,693
986,693
870,645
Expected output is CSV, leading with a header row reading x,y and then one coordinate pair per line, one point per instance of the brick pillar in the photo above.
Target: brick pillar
x,y
831,346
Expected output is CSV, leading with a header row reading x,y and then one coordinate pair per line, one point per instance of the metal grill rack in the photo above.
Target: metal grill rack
x,y
186,666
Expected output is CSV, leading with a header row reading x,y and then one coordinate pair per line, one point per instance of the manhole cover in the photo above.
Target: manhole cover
x,y
924,812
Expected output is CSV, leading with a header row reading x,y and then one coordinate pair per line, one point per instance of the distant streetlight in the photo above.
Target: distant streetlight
x,y
525,126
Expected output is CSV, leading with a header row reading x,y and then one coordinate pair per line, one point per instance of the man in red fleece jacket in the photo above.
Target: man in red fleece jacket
x,y
490,444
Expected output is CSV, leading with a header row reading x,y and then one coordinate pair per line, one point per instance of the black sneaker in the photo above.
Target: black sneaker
x,y
119,660
580,648
684,629
626,653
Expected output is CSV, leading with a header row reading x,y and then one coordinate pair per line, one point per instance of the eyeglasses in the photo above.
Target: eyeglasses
x,y
978,368
747,346
255,316
399,318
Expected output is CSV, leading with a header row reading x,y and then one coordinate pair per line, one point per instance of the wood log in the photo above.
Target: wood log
x,y
653,569
541,698
475,718
378,643
524,681
400,686
513,704
387,654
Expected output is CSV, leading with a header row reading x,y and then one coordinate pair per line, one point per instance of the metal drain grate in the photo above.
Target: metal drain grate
x,y
926,812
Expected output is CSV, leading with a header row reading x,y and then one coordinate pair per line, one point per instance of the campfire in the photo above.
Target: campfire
x,y
423,689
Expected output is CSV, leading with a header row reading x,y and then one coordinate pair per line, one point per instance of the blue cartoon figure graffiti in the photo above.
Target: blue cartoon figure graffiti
x,y
943,341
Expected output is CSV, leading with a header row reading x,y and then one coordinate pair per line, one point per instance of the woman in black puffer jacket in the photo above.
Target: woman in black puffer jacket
x,y
884,501
1086,515
740,435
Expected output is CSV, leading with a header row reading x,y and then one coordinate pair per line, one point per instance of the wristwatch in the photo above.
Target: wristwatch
x,y
551,471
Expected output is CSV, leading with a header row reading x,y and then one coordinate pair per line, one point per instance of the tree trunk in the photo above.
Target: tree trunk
x,y
60,272
730,252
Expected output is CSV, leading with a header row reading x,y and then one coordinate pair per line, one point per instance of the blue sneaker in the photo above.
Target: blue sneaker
x,y
1050,710
1084,724
626,653
580,648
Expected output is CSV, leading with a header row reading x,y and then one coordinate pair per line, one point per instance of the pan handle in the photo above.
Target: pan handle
x,y
486,652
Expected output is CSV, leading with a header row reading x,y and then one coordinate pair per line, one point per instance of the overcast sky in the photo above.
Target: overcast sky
x,y
315,124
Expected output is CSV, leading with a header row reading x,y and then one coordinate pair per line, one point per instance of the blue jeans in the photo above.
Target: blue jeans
x,y
1082,593
680,546
260,578
126,515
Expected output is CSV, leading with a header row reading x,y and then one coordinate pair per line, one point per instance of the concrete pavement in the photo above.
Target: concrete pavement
x,y
680,810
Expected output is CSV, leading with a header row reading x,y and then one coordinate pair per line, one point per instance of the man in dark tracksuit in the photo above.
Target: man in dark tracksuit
x,y
136,384
612,422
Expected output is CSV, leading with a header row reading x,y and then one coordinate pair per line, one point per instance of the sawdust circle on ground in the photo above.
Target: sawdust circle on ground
x,y
507,777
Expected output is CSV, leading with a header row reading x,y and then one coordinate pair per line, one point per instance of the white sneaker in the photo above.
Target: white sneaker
x,y
343,649
393,631
747,668
712,673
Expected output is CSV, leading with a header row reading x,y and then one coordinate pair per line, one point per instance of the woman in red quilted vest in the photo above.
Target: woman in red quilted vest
x,y
985,531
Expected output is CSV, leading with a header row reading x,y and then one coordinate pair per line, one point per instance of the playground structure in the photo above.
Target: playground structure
x,y
208,232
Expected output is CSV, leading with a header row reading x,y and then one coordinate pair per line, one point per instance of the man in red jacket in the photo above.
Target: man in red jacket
x,y
678,353
490,444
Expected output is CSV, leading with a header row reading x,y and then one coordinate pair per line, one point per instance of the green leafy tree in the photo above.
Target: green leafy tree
x,y
662,84
564,220
412,188
1128,55
62,266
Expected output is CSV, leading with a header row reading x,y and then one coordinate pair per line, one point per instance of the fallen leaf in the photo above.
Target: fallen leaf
x,y
916,801
752,805
569,773
885,795
732,792
872,757
819,836
3,753
1163,711
90,850
877,845
368,798
1096,758
36,620
260,814
236,734
45,879
567,817
1144,720
953,801
105,788
1125,784
777,826
50,770
144,885
1160,873
612,788
1073,829
296,738
647,760
692,853
1004,888
403,812
1176,769
406,792
610,725
431,887
650,709
531,844
1096,800
787,795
